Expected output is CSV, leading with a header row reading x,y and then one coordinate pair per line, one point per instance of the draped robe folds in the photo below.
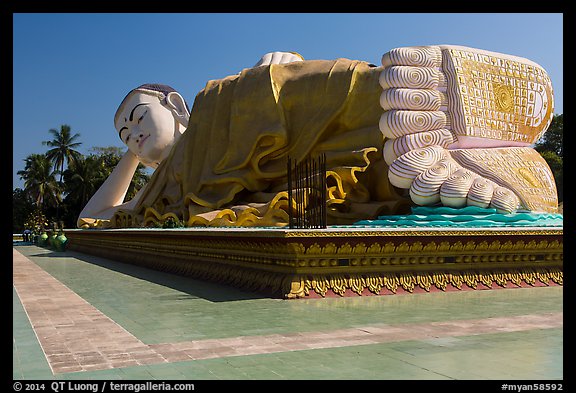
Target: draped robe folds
x,y
230,165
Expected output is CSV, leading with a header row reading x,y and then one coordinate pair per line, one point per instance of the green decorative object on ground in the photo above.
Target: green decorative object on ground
x,y
51,239
43,239
60,242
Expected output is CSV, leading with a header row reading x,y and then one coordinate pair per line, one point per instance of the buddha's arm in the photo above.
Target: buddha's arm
x,y
110,196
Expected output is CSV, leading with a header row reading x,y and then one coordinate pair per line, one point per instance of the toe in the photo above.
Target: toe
x,y
504,200
481,192
454,191
419,56
394,148
425,189
397,123
412,99
407,167
412,78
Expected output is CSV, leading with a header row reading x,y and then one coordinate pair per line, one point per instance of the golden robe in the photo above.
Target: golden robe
x,y
230,165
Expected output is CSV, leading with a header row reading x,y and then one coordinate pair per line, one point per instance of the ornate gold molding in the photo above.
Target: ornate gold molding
x,y
379,284
444,232
342,254
302,266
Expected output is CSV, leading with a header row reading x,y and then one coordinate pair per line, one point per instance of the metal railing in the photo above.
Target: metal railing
x,y
307,192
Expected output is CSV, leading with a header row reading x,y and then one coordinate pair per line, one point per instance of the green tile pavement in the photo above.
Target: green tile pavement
x,y
516,356
27,356
157,307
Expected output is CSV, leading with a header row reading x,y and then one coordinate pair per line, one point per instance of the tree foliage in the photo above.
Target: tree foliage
x,y
22,206
62,148
552,140
40,180
64,199
36,221
551,148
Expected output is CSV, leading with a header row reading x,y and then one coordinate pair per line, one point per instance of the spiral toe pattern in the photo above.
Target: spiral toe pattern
x,y
480,193
504,200
454,191
396,123
432,175
425,189
393,148
405,169
419,56
408,77
412,99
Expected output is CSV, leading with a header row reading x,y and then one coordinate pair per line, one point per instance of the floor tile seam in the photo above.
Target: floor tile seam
x,y
272,340
165,352
91,310
356,333
169,352
20,257
69,358
56,367
213,353
34,331
260,344
33,290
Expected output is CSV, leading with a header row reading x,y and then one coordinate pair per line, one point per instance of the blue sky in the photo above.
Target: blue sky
x,y
75,69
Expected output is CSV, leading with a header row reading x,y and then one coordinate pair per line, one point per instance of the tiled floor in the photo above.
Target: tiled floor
x,y
81,317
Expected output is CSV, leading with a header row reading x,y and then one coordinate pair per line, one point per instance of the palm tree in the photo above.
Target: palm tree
x,y
63,146
83,180
39,180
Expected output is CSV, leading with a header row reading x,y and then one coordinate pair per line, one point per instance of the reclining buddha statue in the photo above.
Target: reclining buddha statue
x,y
436,125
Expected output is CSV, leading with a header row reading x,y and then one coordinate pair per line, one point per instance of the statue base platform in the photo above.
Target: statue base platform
x,y
339,261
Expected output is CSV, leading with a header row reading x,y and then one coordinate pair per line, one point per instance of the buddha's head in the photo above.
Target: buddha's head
x,y
150,119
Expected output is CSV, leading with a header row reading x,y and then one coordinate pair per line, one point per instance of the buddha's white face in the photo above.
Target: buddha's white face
x,y
147,127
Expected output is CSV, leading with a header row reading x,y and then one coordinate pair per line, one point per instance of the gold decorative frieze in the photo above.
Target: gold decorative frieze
x,y
298,266
378,284
420,232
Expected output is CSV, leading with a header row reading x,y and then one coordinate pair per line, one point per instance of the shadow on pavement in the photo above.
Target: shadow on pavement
x,y
210,291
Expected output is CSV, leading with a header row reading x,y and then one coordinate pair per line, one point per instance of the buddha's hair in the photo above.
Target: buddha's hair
x,y
154,89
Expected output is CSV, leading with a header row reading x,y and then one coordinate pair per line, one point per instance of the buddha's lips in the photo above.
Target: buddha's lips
x,y
142,141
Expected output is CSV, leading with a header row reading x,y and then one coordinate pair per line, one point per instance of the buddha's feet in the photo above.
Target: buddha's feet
x,y
459,122
508,178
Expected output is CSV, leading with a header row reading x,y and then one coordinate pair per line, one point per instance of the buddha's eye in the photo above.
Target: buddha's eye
x,y
141,117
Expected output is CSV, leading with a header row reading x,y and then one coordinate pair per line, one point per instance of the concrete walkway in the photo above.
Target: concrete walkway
x,y
79,316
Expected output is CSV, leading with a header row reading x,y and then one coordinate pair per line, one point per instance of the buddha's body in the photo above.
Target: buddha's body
x,y
432,125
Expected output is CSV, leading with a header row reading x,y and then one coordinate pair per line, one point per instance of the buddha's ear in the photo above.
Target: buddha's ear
x,y
175,102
